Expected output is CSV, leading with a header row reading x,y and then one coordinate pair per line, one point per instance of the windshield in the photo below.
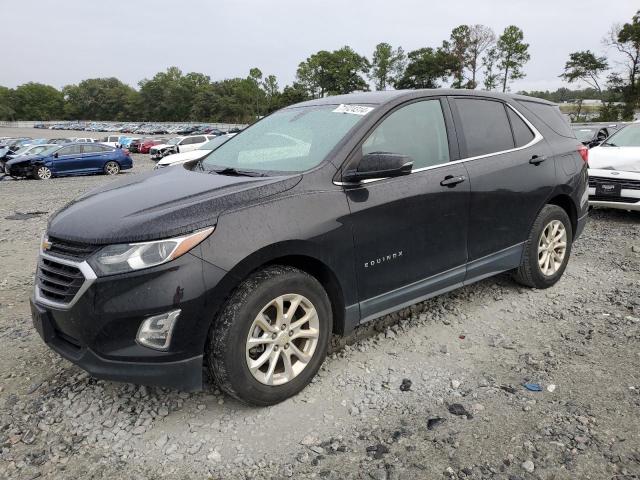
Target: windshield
x,y
174,140
23,150
584,134
215,143
290,140
629,136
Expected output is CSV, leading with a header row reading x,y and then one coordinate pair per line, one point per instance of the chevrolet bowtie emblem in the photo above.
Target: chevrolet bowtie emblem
x,y
46,244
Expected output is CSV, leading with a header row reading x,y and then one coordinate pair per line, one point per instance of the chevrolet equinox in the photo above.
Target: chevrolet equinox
x,y
320,217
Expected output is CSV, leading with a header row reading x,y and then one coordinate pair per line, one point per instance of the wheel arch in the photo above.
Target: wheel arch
x,y
298,255
565,202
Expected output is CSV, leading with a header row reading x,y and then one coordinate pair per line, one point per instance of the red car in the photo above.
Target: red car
x,y
146,144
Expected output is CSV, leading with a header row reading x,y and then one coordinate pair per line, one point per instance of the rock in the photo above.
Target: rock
x,y
28,437
287,470
406,385
434,422
551,388
214,456
379,474
162,441
378,451
455,384
163,411
459,410
308,440
317,449
528,466
444,349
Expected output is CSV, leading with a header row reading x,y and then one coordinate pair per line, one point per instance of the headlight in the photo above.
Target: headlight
x,y
126,257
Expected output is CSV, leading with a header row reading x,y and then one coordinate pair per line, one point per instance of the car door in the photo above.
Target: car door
x,y
94,158
510,181
410,232
69,158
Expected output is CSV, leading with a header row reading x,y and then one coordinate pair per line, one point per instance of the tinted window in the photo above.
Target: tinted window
x,y
417,130
551,116
522,134
485,126
198,140
95,148
70,150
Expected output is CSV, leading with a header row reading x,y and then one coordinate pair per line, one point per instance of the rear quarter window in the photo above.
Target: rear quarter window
x,y
551,116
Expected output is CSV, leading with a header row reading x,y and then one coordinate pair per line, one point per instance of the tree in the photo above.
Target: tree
x,y
585,66
333,73
481,38
100,99
35,101
491,76
458,47
387,66
626,40
6,104
512,53
272,92
427,67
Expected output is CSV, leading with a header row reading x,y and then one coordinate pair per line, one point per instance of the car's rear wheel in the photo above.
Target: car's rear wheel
x,y
42,173
547,249
271,337
111,168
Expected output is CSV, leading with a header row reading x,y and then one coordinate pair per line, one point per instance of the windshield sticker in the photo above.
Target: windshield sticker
x,y
353,109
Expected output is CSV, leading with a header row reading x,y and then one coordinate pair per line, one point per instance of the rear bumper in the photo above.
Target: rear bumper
x,y
580,224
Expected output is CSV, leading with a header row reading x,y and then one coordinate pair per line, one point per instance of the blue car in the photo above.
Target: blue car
x,y
70,159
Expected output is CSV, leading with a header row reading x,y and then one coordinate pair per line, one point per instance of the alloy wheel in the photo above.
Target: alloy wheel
x,y
112,168
282,339
552,247
44,173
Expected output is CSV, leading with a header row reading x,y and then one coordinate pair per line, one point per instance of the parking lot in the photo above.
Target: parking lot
x,y
461,359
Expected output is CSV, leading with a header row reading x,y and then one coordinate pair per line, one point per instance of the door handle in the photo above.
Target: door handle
x,y
451,181
537,159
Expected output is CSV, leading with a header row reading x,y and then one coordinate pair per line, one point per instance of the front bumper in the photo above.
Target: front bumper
x,y
97,331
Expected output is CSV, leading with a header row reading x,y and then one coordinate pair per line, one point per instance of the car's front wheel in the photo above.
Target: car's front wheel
x,y
547,250
271,337
111,168
42,173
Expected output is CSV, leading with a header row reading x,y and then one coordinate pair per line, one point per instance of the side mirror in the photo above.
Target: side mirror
x,y
55,155
379,165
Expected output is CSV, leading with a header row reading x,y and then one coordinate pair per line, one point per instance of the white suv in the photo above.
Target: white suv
x,y
179,145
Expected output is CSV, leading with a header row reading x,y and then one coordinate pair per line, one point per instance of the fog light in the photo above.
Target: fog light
x,y
155,332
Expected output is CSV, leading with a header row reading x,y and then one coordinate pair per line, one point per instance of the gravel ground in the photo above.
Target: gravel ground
x,y
434,391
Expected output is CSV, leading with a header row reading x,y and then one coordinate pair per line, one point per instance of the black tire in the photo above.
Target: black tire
x,y
530,273
111,168
225,355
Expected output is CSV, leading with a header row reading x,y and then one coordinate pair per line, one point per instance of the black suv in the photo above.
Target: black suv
x,y
320,217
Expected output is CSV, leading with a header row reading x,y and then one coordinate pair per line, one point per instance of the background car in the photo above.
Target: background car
x,y
203,151
593,135
29,150
146,144
179,145
614,170
72,159
83,140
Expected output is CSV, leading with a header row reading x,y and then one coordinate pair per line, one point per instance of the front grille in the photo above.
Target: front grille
x,y
623,182
605,198
58,282
75,250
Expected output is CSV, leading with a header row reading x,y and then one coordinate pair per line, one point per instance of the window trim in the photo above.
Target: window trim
x,y
537,137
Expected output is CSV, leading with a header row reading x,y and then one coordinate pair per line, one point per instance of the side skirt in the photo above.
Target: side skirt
x,y
422,290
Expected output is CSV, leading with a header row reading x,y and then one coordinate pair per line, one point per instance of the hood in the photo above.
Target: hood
x,y
626,159
161,204
23,158
183,157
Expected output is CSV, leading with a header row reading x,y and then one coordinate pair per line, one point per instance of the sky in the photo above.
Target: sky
x,y
65,41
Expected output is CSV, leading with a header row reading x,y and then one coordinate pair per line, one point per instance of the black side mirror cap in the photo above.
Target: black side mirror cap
x,y
55,155
379,165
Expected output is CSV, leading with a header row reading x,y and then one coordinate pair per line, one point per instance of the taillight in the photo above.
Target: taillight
x,y
584,153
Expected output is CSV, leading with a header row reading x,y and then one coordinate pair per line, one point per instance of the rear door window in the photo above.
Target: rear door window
x,y
522,134
485,126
